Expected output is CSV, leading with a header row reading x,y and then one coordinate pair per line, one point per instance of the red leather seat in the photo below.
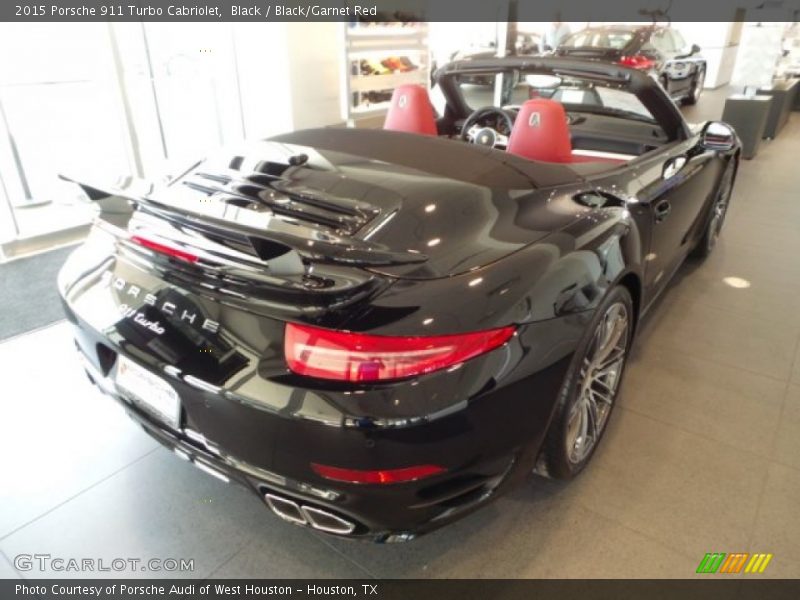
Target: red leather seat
x,y
541,132
411,111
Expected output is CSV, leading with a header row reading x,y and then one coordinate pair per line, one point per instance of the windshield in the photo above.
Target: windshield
x,y
614,39
513,88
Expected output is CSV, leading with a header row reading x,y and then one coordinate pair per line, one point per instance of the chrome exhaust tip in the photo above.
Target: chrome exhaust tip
x,y
288,510
328,522
319,519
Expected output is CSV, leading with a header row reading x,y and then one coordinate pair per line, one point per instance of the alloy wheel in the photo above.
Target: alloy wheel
x,y
698,86
599,377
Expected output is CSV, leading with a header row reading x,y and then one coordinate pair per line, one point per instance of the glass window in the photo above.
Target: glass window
x,y
678,41
622,101
96,101
662,40
479,89
614,39
576,94
181,81
582,96
612,100
59,114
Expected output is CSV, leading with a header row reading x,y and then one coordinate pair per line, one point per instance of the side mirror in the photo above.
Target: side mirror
x,y
695,49
719,136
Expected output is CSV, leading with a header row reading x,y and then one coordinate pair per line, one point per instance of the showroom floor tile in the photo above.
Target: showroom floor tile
x,y
6,569
163,508
73,437
570,549
728,337
770,300
536,531
728,405
775,528
457,550
687,491
306,558
785,448
702,454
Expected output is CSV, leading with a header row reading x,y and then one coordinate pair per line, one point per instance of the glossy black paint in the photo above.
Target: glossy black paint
x,y
531,244
677,66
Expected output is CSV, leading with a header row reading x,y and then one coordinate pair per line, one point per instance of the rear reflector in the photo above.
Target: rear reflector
x,y
163,249
637,62
382,476
344,356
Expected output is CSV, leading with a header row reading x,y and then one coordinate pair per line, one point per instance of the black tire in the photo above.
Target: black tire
x,y
717,213
560,457
697,88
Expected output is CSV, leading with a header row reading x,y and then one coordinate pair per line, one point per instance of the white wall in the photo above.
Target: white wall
x,y
147,99
719,45
446,38
263,61
190,69
315,53
58,97
7,229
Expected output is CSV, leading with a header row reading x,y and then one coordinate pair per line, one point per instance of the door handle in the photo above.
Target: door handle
x,y
672,166
662,210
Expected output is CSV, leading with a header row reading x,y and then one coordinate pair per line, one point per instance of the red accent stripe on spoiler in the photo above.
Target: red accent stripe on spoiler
x,y
163,249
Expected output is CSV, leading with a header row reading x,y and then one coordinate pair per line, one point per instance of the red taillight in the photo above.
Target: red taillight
x,y
164,249
382,476
343,356
637,62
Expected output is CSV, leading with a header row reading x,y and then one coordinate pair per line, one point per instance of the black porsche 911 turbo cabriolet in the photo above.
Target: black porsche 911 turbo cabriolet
x,y
378,331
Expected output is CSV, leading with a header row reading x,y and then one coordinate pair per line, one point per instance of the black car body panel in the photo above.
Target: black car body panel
x,y
387,234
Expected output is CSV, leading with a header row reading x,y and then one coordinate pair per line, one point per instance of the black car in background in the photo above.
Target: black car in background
x,y
657,50
522,44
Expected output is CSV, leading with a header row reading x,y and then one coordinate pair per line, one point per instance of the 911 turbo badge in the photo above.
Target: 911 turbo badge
x,y
139,318
413,322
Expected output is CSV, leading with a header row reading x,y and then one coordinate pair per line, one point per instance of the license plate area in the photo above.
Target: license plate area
x,y
149,392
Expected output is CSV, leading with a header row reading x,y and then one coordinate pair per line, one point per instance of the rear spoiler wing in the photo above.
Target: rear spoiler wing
x,y
129,194
597,71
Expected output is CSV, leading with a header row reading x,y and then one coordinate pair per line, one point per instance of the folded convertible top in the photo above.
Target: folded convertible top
x,y
468,163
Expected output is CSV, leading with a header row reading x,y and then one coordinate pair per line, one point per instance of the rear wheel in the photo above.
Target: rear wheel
x,y
697,88
719,209
590,389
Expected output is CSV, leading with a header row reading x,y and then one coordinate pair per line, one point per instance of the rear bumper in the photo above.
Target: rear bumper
x,y
485,444
246,418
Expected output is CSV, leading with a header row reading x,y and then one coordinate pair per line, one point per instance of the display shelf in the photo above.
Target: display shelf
x,y
370,109
370,83
377,59
381,52
384,30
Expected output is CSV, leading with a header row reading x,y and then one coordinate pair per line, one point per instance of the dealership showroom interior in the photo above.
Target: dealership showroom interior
x,y
354,299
